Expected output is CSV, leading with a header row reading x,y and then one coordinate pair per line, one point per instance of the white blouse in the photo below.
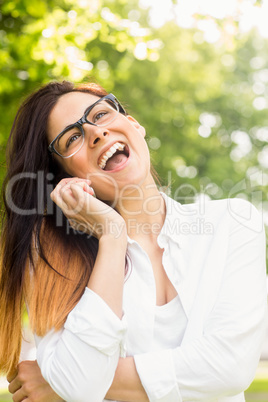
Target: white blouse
x,y
170,322
214,255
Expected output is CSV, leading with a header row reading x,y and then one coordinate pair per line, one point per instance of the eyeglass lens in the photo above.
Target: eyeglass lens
x,y
71,140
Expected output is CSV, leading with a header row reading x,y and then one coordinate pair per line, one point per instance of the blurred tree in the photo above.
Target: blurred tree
x,y
46,40
203,101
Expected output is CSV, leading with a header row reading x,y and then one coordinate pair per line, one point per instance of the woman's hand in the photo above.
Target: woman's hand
x,y
84,211
90,215
29,385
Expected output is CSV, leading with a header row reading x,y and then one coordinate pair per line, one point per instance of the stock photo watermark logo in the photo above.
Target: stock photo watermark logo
x,y
243,212
173,228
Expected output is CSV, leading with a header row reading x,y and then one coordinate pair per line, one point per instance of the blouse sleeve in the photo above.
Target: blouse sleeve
x,y
223,361
79,361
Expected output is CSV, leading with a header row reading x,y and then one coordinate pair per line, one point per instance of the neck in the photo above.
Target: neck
x,y
143,209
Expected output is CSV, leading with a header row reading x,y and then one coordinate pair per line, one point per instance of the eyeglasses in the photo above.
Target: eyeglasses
x,y
103,112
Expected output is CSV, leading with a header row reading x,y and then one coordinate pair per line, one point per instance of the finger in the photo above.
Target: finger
x,y
65,184
14,385
20,395
89,190
67,188
85,187
55,193
58,193
83,184
74,199
57,198
12,375
69,180
80,191
72,180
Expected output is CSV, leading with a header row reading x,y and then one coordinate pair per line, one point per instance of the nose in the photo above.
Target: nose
x,y
94,134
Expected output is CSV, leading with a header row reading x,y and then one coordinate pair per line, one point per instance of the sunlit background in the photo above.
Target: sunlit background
x,y
249,14
194,73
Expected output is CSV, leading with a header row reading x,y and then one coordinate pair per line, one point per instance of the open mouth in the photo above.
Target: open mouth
x,y
114,157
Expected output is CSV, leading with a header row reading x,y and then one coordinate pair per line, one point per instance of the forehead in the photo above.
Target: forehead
x,y
68,109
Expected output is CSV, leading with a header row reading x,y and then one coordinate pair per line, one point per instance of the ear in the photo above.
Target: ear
x,y
136,124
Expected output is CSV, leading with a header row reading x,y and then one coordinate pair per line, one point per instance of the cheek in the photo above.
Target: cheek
x,y
68,169
77,166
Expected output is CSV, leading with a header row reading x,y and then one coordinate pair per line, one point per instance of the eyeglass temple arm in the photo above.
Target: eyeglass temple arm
x,y
121,109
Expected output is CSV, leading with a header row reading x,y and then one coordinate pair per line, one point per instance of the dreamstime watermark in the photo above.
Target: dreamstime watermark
x,y
131,194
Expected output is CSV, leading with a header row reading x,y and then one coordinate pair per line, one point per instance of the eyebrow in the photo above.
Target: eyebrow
x,y
70,125
92,105
87,108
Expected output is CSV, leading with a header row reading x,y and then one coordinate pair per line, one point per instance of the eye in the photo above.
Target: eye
x,y
99,115
72,139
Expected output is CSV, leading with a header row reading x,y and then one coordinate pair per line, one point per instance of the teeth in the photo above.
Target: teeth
x,y
110,152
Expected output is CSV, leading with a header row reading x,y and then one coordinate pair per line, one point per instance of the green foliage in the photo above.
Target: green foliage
x,y
204,103
4,397
259,385
258,391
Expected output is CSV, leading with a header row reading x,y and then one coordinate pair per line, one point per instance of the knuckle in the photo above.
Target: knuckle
x,y
27,388
61,183
63,190
21,377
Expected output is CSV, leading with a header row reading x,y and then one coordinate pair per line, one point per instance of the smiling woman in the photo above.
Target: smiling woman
x,y
101,113
129,298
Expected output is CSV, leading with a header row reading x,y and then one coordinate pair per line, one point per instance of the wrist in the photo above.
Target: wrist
x,y
114,231
107,277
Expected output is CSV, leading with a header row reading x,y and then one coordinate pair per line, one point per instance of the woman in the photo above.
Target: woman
x,y
132,296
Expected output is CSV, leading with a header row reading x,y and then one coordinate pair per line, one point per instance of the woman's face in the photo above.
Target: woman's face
x,y
130,168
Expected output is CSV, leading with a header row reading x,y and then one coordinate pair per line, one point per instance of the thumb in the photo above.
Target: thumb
x,y
89,189
74,199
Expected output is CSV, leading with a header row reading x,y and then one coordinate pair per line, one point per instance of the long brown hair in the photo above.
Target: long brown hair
x,y
43,261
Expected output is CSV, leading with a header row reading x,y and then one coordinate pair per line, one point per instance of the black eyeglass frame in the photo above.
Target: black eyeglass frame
x,y
84,120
